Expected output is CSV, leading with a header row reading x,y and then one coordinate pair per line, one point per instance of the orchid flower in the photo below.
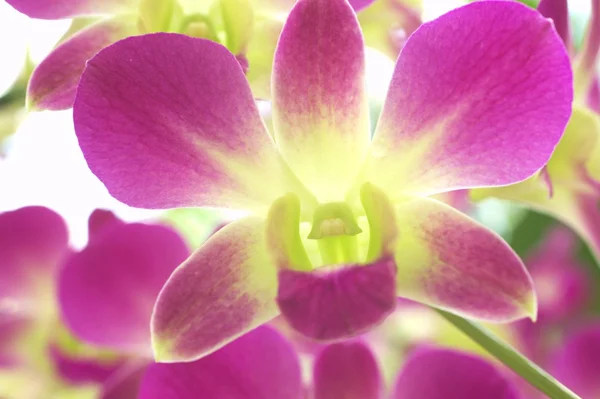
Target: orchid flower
x,y
231,22
568,188
340,224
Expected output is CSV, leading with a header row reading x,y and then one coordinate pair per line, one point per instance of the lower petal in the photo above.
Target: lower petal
x,y
260,364
223,290
347,370
337,304
131,262
448,374
447,260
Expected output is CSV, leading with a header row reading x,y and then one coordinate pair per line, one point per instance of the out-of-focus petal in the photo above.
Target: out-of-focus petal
x,y
577,362
320,110
12,329
594,96
573,171
448,374
387,24
347,370
586,62
125,382
558,11
342,303
223,290
479,97
259,364
107,291
358,5
59,9
164,134
448,260
561,283
81,370
99,222
33,243
54,81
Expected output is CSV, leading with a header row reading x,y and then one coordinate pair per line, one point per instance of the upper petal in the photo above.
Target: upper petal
x,y
479,97
107,291
446,259
163,134
320,110
54,81
58,9
33,243
260,364
347,370
223,290
449,374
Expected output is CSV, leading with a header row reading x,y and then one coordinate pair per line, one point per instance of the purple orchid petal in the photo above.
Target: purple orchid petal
x,y
260,364
577,362
558,11
448,260
81,371
164,134
54,81
125,382
448,374
562,285
482,84
587,59
100,221
223,290
12,328
347,370
593,100
319,96
359,5
107,291
329,305
33,243
59,9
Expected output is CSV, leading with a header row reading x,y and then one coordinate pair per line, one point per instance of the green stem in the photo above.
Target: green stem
x,y
511,358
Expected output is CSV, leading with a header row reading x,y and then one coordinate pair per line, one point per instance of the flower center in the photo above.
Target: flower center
x,y
353,287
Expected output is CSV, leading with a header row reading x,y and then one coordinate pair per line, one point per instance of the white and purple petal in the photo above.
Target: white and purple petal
x,y
479,97
448,260
226,288
320,110
164,134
